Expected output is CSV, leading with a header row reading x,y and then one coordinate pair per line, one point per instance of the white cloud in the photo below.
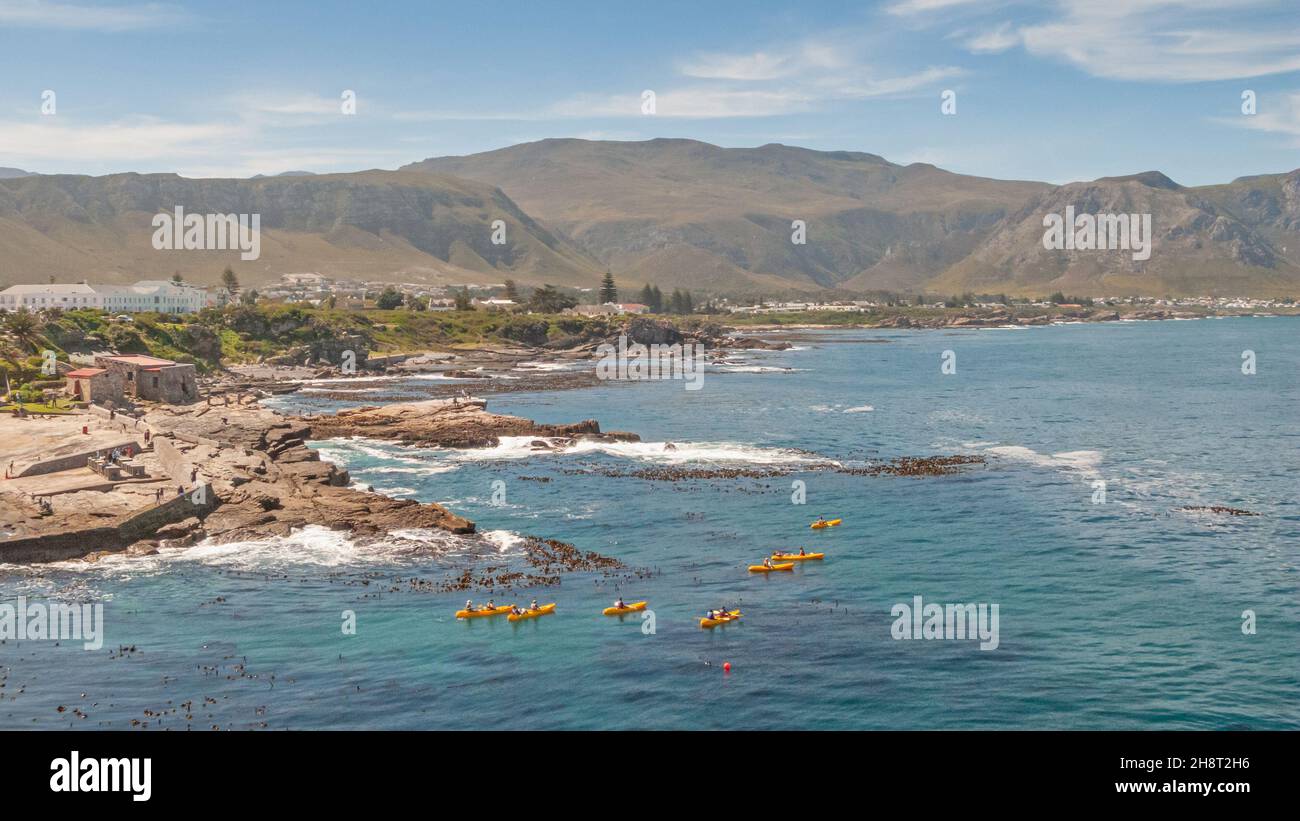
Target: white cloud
x,y
994,40
231,148
803,77
1173,41
60,140
1275,114
910,7
766,65
48,14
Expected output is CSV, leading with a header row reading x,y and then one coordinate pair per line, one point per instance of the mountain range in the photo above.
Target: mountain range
x,y
674,212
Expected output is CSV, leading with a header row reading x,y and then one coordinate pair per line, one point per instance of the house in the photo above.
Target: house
x,y
94,385
161,296
608,309
493,304
147,377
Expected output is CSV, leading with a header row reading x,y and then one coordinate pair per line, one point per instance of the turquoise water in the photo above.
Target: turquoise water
x,y
1125,614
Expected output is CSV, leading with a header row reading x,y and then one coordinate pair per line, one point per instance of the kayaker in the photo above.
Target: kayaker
x,y
469,605
821,520
491,605
533,606
767,562
801,553
514,610
619,604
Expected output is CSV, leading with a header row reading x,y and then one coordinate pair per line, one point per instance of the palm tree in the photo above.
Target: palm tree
x,y
22,326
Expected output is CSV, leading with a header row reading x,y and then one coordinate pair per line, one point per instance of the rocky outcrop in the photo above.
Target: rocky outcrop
x,y
439,423
645,331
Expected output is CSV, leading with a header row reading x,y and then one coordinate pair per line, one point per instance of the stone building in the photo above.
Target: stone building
x,y
98,385
147,377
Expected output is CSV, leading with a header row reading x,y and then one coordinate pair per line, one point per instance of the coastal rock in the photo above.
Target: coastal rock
x,y
438,423
899,321
645,331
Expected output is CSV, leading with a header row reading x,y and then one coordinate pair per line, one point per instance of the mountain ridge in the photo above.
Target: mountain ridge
x,y
675,212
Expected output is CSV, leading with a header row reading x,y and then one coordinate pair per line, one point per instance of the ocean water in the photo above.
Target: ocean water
x,y
1121,614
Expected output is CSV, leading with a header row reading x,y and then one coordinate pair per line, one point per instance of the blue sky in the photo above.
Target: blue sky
x,y
1054,90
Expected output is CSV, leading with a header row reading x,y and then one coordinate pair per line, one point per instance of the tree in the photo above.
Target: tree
x,y
680,302
512,290
549,300
177,278
657,303
463,301
389,299
415,303
608,291
331,301
229,281
248,297
648,296
22,326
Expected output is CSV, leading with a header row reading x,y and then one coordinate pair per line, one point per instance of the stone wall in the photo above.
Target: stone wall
x,y
75,460
177,464
131,528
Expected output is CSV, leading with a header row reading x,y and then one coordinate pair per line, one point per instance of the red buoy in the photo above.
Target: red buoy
x,y
726,667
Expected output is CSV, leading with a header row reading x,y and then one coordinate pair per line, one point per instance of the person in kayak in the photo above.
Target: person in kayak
x,y
469,605
533,606
619,604
821,520
767,562
491,605
515,611
801,552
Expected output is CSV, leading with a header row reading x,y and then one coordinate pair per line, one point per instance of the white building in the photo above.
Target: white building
x,y
161,296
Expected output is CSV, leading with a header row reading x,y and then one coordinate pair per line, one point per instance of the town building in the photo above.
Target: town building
x,y
161,296
144,377
609,309
97,385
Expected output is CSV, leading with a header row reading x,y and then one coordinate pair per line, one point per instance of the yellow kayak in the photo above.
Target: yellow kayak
x,y
478,614
619,611
820,525
732,615
532,614
796,557
762,568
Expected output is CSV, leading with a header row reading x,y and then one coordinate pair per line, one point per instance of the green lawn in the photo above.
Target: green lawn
x,y
38,407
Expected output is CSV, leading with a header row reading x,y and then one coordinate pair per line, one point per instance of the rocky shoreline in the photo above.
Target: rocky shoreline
x,y
253,477
448,423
